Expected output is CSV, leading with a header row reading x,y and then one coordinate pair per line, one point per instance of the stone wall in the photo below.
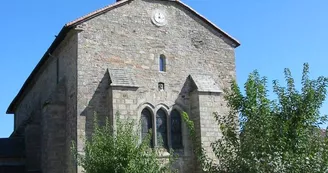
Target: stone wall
x,y
124,102
38,93
33,146
126,38
210,103
53,132
67,54
60,66
28,111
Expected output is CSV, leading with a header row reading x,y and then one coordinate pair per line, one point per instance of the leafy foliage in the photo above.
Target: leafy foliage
x,y
120,151
273,136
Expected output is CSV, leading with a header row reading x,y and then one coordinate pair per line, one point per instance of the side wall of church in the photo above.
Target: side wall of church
x,y
68,73
126,38
60,66
67,54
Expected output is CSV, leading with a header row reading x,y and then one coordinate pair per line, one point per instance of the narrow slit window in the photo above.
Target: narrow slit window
x,y
162,63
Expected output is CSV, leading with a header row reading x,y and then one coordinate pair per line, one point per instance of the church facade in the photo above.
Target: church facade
x,y
149,60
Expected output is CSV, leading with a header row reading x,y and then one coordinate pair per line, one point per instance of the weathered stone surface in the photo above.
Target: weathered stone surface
x,y
33,147
205,83
54,132
61,65
122,77
126,38
111,64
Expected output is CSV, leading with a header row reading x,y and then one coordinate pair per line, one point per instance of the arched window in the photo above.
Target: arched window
x,y
146,124
162,63
161,125
176,130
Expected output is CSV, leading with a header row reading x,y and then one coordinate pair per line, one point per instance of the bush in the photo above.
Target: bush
x,y
120,151
280,135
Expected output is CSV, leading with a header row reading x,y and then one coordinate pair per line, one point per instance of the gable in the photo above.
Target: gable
x,y
74,23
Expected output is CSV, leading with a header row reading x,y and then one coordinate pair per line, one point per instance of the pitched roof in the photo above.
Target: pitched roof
x,y
205,83
122,77
67,27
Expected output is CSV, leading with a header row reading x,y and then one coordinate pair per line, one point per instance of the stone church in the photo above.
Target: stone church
x,y
150,60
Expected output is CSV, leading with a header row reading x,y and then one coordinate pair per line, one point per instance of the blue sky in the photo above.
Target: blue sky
x,y
273,35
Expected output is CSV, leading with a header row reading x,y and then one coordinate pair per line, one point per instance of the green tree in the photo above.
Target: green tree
x,y
279,135
120,151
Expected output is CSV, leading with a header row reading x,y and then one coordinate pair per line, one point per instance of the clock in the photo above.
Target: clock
x,y
158,17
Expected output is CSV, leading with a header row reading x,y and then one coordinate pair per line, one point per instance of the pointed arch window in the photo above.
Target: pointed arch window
x,y
161,128
168,129
176,130
146,124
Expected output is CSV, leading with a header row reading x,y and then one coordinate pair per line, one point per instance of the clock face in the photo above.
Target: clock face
x,y
159,18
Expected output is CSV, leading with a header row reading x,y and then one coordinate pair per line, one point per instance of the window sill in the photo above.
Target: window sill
x,y
164,152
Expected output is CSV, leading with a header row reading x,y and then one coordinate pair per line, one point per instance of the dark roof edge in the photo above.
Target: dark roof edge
x,y
32,77
235,41
52,48
96,13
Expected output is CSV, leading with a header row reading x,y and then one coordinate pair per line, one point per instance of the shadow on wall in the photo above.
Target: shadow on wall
x,y
98,105
186,102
